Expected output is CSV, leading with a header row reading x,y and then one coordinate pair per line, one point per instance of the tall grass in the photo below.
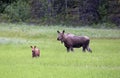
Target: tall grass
x,y
31,31
55,62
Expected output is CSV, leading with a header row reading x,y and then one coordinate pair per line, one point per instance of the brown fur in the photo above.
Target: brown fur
x,y
71,41
35,51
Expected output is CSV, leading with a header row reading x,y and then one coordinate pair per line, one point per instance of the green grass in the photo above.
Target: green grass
x,y
55,62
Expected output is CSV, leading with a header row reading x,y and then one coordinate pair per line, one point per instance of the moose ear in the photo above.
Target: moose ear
x,y
31,46
34,46
58,31
63,31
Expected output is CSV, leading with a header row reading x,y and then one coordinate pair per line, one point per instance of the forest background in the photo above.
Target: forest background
x,y
95,13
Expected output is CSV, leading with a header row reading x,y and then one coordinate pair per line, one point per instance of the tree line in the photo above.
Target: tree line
x,y
71,12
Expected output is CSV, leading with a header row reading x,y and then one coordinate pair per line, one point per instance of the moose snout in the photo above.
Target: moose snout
x,y
32,51
58,39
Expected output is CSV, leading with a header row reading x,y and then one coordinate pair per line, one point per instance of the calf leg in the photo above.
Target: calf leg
x,y
38,55
33,54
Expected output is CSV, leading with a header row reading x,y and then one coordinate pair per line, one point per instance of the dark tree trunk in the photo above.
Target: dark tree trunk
x,y
37,9
114,11
89,12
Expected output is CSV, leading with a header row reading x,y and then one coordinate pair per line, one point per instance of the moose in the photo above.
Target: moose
x,y
35,51
72,41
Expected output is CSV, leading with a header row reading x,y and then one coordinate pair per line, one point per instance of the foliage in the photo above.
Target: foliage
x,y
18,11
38,9
4,3
65,12
103,10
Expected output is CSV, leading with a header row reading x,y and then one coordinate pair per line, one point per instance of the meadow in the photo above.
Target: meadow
x,y
16,60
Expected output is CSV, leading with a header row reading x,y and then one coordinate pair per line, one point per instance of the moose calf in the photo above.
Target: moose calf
x,y
35,51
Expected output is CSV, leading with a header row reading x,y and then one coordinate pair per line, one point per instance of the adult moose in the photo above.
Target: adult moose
x,y
35,51
72,41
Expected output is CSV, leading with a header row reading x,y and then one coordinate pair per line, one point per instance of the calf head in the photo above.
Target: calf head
x,y
60,36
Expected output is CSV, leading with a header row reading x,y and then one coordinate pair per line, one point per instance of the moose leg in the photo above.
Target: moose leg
x,y
84,48
88,49
72,49
68,49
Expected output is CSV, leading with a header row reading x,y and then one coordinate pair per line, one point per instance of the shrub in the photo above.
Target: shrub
x,y
18,11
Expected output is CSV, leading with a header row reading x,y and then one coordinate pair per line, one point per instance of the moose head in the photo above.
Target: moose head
x,y
60,36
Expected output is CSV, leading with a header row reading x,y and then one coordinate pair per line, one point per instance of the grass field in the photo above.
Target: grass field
x,y
16,60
